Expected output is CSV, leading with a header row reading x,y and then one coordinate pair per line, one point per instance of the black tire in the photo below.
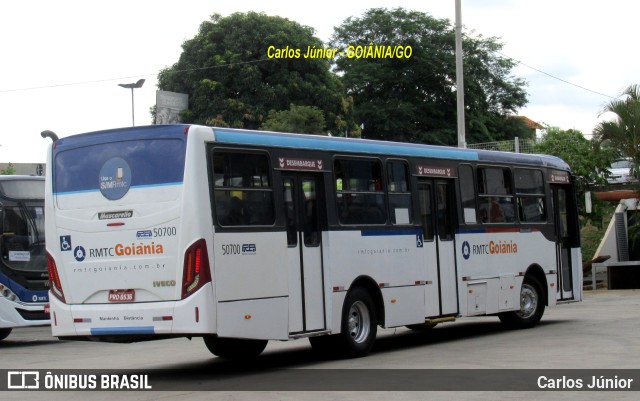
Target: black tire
x,y
234,348
423,327
359,324
532,304
4,333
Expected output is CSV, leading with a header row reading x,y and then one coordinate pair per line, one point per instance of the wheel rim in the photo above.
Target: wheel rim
x,y
359,321
528,301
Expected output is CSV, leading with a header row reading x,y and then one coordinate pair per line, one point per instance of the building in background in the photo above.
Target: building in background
x,y
24,168
169,105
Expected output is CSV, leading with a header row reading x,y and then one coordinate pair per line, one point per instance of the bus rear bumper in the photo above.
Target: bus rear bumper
x,y
135,321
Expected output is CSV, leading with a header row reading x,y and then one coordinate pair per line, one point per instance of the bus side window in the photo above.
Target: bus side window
x,y
242,189
495,195
289,210
530,196
359,194
399,192
467,194
235,213
426,211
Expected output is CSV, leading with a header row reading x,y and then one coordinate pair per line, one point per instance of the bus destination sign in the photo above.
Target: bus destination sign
x,y
291,163
436,171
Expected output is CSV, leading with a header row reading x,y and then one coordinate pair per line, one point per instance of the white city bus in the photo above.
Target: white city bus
x,y
241,237
24,280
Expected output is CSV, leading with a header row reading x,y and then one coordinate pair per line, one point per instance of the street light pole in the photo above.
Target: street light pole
x,y
462,141
133,86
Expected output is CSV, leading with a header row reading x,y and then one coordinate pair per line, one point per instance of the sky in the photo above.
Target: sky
x,y
61,61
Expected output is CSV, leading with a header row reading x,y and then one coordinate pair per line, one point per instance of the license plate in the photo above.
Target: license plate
x,y
122,295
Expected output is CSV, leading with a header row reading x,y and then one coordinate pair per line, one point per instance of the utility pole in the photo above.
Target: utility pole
x,y
462,141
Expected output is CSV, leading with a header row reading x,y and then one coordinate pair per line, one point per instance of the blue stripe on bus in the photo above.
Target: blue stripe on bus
x,y
341,144
385,233
101,331
495,229
474,230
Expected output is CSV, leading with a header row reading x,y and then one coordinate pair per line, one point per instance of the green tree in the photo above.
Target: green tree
x,y
231,79
587,158
623,131
301,119
414,99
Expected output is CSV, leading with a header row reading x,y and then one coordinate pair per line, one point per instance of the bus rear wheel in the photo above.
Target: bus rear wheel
x,y
234,348
359,324
4,333
532,306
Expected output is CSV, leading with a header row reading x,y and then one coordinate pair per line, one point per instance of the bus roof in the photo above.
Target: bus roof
x,y
367,146
318,142
17,177
15,187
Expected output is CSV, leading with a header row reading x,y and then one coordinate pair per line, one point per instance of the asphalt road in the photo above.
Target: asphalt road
x,y
600,334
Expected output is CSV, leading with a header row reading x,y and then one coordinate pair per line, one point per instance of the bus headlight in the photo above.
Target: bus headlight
x,y
7,293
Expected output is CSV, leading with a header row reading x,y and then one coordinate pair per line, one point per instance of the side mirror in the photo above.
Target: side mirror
x,y
49,134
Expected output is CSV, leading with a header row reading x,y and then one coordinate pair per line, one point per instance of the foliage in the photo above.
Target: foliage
x,y
414,99
593,229
300,119
230,79
10,170
588,161
623,132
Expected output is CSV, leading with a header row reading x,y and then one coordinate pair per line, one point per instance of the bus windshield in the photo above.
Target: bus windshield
x,y
23,237
24,276
22,224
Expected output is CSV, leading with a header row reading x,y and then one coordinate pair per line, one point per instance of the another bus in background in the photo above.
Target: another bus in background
x,y
24,284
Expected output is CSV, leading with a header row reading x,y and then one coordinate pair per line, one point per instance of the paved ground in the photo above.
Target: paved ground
x,y
600,333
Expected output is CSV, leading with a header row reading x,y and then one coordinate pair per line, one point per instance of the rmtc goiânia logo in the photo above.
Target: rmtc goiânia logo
x,y
489,248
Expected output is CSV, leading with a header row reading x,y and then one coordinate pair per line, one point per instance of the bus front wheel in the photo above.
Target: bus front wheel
x,y
234,348
532,306
359,324
4,333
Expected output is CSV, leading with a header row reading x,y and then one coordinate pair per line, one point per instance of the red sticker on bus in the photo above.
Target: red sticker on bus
x,y
122,295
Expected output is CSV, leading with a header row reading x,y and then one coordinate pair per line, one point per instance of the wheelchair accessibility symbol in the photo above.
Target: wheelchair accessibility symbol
x,y
65,243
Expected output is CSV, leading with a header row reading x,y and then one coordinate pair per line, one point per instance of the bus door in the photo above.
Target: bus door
x,y
437,207
565,221
305,214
